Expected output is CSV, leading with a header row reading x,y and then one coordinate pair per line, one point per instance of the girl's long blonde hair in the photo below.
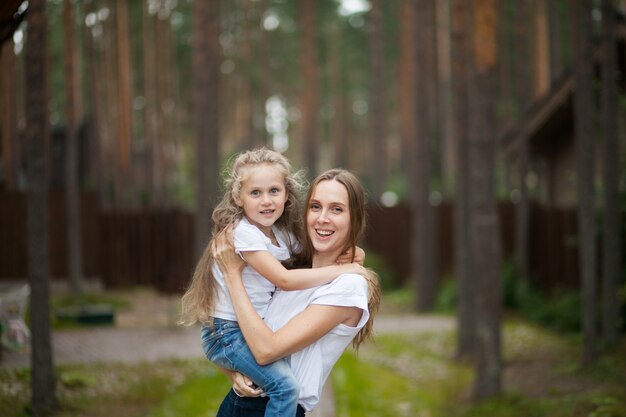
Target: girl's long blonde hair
x,y
198,302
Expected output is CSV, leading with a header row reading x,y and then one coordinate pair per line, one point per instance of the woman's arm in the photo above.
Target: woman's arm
x,y
267,346
296,279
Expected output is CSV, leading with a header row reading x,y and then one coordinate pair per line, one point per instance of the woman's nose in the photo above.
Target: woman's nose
x,y
322,218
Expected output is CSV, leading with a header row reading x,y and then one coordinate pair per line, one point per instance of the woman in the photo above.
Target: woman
x,y
315,325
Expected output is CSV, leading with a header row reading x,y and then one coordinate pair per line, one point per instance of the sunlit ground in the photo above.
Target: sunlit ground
x,y
406,374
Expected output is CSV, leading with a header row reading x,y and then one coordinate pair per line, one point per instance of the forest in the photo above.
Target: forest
x,y
474,108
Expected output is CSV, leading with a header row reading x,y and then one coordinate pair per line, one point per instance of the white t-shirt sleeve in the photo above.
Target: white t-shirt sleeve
x,y
347,290
248,238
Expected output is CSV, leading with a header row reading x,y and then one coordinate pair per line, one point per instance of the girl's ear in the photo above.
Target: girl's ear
x,y
237,200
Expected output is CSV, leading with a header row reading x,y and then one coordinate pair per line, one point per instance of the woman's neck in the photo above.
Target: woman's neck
x,y
324,259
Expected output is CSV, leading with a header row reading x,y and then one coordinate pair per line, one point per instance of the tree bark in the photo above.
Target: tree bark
x,y
446,110
407,77
149,93
423,213
611,219
463,260
309,106
585,169
11,154
555,43
124,105
42,369
485,247
72,118
206,64
523,82
377,115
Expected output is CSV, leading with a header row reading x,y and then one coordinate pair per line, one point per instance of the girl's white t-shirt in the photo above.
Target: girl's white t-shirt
x,y
312,365
248,238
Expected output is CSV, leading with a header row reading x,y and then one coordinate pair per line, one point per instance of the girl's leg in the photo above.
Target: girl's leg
x,y
225,346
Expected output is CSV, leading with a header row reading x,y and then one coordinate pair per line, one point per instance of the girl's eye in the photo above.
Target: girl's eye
x,y
274,190
254,192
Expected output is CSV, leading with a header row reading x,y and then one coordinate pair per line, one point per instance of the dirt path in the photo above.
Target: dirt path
x,y
147,332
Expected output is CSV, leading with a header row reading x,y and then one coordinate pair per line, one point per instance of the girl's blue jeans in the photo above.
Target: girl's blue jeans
x,y
224,345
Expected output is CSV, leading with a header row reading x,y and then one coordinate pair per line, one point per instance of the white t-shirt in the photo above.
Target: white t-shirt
x,y
312,365
247,237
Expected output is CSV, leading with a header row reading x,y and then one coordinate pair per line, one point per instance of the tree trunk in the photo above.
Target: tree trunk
x,y
523,84
446,112
585,169
542,50
407,77
206,64
72,118
611,219
485,247
377,114
149,93
42,369
460,58
309,106
11,154
555,43
338,100
124,104
423,213
94,158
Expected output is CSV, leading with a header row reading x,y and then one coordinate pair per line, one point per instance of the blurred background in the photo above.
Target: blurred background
x,y
489,135
145,123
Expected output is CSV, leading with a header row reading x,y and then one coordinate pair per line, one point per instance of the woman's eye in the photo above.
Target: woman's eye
x,y
337,209
315,207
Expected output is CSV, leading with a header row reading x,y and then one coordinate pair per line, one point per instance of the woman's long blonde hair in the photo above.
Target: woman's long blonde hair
x,y
358,218
198,302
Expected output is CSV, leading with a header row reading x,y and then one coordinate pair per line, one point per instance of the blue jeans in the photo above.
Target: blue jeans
x,y
236,406
224,345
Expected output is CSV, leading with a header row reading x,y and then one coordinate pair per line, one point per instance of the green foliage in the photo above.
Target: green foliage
x,y
446,300
560,311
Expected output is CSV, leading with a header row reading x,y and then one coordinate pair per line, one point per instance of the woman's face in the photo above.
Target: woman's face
x,y
328,217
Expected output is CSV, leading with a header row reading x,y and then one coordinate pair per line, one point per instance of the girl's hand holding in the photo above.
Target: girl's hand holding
x,y
224,252
354,268
346,257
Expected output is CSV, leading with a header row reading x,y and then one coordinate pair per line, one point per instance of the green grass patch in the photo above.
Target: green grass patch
x,y
167,388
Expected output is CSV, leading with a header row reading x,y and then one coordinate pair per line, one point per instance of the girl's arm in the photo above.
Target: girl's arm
x,y
266,345
295,279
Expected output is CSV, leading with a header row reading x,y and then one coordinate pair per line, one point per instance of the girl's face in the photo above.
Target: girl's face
x,y
263,196
328,218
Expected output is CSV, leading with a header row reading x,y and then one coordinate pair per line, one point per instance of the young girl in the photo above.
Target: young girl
x,y
262,206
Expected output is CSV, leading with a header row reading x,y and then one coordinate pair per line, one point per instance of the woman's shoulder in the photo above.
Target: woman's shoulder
x,y
346,283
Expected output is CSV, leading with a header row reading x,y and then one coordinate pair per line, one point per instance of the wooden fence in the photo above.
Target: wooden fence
x,y
155,247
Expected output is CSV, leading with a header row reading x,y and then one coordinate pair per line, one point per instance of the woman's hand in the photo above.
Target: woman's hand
x,y
243,386
224,253
346,257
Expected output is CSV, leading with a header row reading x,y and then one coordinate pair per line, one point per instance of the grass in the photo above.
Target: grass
x,y
414,375
406,374
168,388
